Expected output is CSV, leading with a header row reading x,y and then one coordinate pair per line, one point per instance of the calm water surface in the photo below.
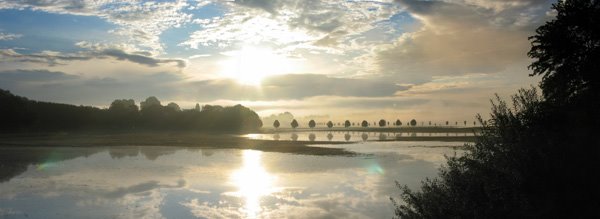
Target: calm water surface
x,y
174,182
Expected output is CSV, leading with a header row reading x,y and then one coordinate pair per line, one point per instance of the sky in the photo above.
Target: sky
x,y
330,60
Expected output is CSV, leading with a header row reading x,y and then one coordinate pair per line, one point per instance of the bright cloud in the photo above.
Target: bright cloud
x,y
406,56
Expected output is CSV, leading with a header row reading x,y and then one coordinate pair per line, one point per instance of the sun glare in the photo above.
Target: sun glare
x,y
253,182
251,65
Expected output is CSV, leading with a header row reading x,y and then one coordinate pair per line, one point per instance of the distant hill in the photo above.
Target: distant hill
x,y
19,114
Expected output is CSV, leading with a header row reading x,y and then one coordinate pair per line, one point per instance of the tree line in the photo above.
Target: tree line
x,y
21,114
364,123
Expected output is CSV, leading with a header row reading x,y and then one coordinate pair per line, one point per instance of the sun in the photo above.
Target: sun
x,y
250,65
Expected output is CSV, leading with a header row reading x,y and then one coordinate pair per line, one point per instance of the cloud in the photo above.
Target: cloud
x,y
61,87
293,86
49,57
140,188
457,39
139,22
52,58
291,25
20,75
9,36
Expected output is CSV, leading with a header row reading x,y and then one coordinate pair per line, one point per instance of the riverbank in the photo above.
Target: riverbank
x,y
180,139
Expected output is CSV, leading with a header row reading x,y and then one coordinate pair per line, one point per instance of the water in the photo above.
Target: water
x,y
176,182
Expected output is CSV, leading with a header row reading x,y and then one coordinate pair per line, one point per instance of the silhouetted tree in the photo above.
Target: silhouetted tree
x,y
413,122
123,114
347,124
532,159
174,107
311,124
294,123
123,105
365,123
197,107
398,123
276,124
447,123
566,51
149,102
382,123
329,124
465,122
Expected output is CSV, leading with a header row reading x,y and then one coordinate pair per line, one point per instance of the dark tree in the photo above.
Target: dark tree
x,y
312,124
276,124
465,122
447,122
347,124
150,102
364,123
398,123
174,107
566,51
294,123
533,159
382,123
413,122
329,124
123,105
122,114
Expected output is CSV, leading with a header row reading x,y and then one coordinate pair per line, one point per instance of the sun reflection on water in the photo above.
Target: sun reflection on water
x,y
253,182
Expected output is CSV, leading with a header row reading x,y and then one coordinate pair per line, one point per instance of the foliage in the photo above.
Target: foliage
x,y
347,124
536,158
413,122
294,124
398,122
566,51
20,114
365,123
382,123
276,124
312,124
329,124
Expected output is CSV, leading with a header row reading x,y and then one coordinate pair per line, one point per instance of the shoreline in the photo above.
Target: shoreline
x,y
192,140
